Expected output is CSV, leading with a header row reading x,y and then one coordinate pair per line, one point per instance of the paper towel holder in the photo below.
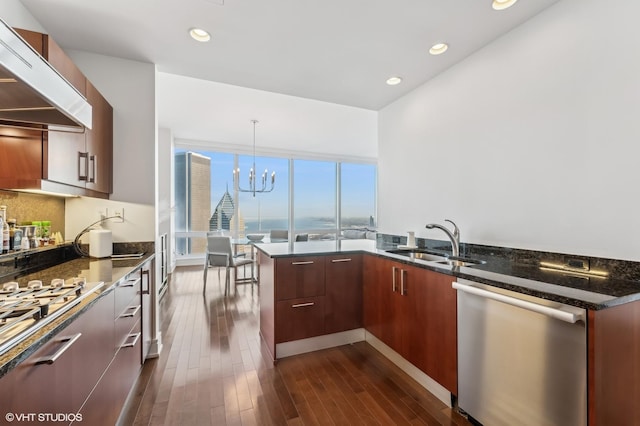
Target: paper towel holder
x,y
76,242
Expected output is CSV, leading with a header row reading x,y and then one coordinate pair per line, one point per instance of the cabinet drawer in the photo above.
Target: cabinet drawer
x,y
126,290
299,277
107,399
299,318
125,322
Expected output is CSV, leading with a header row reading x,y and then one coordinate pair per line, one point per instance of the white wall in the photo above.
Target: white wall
x,y
532,142
139,223
165,209
16,15
132,95
205,113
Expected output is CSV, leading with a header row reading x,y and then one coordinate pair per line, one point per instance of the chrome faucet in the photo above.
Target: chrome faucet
x,y
453,236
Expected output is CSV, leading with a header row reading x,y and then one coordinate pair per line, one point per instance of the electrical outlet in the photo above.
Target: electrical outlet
x,y
119,213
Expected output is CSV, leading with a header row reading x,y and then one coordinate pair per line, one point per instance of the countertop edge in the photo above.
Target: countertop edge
x,y
548,291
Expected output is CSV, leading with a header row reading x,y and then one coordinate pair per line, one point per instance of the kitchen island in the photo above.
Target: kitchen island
x,y
612,321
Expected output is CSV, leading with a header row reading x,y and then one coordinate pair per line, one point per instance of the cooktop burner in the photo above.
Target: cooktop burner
x,y
24,310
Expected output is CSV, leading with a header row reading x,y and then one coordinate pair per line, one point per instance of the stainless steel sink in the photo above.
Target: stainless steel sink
x,y
430,257
441,259
461,261
419,254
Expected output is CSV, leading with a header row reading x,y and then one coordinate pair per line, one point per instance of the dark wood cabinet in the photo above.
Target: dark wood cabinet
x,y
299,291
99,143
414,312
308,296
106,402
58,160
431,344
613,371
60,375
299,318
298,277
343,289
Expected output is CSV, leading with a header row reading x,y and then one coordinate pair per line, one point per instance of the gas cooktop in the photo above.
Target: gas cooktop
x,y
25,310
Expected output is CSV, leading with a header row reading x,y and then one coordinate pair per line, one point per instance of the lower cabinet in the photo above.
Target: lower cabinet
x,y
414,312
343,287
300,318
110,394
317,295
59,376
411,309
90,366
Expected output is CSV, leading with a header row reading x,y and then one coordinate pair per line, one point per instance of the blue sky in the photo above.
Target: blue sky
x,y
314,186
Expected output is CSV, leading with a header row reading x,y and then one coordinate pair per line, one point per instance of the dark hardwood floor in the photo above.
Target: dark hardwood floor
x,y
212,371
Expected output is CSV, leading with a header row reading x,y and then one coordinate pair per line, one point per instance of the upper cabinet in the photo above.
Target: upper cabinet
x,y
67,162
99,143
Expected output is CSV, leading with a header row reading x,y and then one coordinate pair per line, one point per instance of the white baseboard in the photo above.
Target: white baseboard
x,y
317,343
416,374
156,347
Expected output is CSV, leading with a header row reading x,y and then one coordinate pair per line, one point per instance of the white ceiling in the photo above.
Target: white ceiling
x,y
339,51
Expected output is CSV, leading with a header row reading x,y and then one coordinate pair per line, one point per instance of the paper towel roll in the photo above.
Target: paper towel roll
x,y
100,243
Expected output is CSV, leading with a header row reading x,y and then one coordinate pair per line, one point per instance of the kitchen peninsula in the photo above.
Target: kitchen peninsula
x,y
297,300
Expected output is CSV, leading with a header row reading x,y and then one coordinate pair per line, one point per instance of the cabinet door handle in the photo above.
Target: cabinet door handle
x,y
130,312
81,163
308,262
92,169
403,285
130,282
340,260
393,279
146,272
302,305
69,340
129,343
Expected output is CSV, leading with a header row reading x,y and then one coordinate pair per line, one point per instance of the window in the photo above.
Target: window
x,y
207,200
357,195
314,198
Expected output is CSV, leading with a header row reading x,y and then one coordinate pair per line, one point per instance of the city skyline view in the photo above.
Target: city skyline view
x,y
314,191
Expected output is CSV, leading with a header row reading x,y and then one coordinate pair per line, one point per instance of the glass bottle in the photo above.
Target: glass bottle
x,y
12,234
46,231
5,229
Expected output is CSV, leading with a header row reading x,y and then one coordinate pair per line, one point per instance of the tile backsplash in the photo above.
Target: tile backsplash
x,y
25,207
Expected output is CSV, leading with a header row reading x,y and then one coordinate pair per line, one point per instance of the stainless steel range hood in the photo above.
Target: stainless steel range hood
x,y
32,92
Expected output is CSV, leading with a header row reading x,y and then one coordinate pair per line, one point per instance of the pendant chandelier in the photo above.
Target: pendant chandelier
x,y
252,174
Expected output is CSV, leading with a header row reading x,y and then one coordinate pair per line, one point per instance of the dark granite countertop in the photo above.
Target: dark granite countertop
x,y
572,288
107,270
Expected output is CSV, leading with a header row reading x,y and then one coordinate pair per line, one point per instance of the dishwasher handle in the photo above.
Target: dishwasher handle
x,y
565,316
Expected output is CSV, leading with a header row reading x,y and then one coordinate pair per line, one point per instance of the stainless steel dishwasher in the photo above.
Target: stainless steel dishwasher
x,y
521,359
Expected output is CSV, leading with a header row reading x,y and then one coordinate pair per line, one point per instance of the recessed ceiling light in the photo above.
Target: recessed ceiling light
x,y
392,81
503,4
199,34
438,48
